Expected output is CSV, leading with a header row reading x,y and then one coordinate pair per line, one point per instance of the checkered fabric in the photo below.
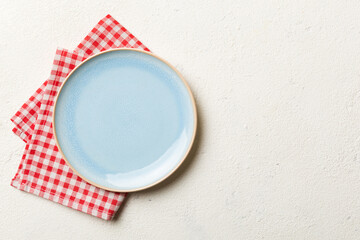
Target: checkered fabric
x,y
42,170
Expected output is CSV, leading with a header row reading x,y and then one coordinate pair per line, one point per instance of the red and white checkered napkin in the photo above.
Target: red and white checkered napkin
x,y
42,170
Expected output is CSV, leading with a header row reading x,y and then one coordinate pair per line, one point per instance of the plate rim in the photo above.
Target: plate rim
x,y
195,121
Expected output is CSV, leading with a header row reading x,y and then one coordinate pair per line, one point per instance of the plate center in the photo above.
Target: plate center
x,y
130,110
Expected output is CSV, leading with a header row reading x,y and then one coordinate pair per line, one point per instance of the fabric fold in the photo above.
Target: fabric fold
x,y
42,170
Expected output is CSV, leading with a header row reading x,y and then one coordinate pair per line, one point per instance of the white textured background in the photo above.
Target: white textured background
x,y
277,84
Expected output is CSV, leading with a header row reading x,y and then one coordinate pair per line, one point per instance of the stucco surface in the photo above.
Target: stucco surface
x,y
277,85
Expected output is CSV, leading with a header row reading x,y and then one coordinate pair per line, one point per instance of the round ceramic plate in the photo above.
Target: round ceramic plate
x,y
124,120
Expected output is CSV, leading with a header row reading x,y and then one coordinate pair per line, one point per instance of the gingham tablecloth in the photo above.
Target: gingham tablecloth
x,y
42,170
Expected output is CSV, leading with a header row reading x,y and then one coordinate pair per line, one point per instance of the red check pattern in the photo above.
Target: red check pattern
x,y
42,170
25,118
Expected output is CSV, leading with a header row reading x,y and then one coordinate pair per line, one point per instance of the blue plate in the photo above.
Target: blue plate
x,y
124,120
